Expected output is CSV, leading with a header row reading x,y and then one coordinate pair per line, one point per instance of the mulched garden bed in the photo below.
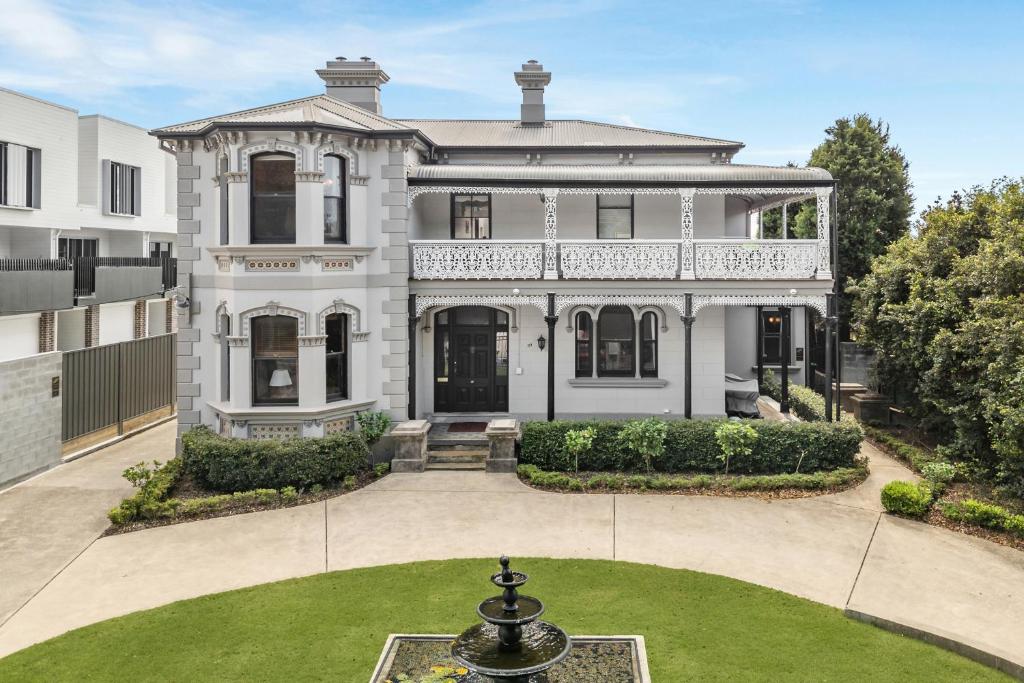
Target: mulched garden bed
x,y
186,488
961,491
720,487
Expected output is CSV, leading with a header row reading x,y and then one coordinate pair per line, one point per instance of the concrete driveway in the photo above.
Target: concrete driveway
x,y
840,550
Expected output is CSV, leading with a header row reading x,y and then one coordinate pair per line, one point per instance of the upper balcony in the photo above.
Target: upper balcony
x,y
655,230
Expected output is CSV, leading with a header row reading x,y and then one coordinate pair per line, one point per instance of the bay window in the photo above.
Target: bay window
x,y
272,199
275,360
336,327
335,213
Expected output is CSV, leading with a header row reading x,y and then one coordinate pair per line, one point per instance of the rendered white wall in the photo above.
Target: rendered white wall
x,y
156,317
20,335
117,322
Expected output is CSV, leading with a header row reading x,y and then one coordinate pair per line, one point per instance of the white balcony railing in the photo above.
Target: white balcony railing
x,y
755,259
619,259
477,259
713,259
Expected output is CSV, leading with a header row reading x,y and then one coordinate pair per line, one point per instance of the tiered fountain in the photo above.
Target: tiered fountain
x,y
511,646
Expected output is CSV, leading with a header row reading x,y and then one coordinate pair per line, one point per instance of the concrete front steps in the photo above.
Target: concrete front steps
x,y
460,456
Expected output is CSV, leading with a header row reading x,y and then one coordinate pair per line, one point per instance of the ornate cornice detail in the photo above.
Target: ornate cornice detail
x,y
236,177
272,308
358,179
817,302
238,341
314,340
309,176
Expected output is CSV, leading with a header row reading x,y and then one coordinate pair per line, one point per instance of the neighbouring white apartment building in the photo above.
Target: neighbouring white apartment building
x,y
333,260
87,229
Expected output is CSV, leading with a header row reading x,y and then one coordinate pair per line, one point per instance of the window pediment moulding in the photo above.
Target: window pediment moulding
x,y
272,308
355,318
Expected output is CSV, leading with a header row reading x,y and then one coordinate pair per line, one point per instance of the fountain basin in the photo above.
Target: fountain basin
x,y
542,646
493,610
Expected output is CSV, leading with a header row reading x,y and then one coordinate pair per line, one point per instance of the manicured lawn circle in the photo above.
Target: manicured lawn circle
x,y
333,626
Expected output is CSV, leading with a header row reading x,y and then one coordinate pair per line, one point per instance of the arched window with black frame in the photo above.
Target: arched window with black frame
x,y
272,198
336,328
649,344
335,196
584,345
275,360
616,342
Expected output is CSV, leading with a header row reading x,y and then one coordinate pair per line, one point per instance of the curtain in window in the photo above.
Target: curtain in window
x,y
584,345
272,188
649,345
275,360
336,327
616,342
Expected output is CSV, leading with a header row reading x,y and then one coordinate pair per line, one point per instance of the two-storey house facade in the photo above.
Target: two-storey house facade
x,y
87,229
334,260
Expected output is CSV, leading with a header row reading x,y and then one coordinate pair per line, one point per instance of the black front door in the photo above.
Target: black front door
x,y
471,360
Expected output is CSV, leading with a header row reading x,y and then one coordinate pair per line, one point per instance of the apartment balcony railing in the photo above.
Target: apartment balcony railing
x,y
103,279
712,259
28,285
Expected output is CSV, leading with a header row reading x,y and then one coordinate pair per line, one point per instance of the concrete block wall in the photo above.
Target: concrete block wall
x,y
188,203
30,416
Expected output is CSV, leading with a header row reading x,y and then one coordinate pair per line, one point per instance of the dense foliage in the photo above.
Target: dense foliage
x,y
223,464
691,446
944,312
873,201
806,403
983,514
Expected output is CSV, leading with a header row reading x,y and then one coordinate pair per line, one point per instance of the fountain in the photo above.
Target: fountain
x,y
511,646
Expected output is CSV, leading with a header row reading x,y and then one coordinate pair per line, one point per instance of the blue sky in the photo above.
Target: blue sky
x,y
947,76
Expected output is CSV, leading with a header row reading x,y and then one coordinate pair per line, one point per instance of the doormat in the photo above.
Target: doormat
x,y
467,427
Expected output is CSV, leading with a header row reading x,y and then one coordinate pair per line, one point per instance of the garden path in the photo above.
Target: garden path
x,y
840,549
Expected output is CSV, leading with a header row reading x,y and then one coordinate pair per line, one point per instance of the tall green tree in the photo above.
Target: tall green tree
x,y
874,200
944,311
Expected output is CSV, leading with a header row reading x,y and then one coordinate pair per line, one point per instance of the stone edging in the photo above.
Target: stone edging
x,y
970,652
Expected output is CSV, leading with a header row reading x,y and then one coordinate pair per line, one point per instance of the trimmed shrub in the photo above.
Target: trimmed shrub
x,y
225,464
806,403
917,458
906,498
985,515
690,446
153,487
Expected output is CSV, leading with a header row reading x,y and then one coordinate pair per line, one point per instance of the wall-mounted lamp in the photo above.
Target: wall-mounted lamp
x,y
541,341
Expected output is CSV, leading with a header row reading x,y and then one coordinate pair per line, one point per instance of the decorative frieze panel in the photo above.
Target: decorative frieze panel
x,y
476,260
626,260
340,424
279,432
272,265
427,301
817,302
335,263
564,301
755,260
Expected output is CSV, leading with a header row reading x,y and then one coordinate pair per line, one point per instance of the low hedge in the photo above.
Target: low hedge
x,y
916,457
907,498
690,446
230,465
806,403
698,482
984,515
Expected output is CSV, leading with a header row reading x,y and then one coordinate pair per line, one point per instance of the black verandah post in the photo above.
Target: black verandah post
x,y
688,319
413,319
830,321
784,315
760,349
551,319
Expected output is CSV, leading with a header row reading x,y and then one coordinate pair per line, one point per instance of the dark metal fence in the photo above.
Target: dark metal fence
x,y
170,272
108,387
85,268
24,264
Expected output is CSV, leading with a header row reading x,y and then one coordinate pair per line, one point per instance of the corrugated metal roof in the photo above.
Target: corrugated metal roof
x,y
616,173
319,109
558,133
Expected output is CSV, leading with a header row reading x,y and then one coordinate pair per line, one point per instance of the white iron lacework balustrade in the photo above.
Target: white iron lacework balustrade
x,y
755,260
477,260
625,260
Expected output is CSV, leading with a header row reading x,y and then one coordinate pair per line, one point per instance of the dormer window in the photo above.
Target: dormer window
x,y
122,194
272,190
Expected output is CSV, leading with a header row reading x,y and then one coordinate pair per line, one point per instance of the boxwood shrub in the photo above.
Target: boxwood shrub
x,y
806,403
229,465
907,498
690,446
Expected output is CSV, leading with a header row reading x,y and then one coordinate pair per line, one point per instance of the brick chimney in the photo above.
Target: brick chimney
x,y
354,82
532,80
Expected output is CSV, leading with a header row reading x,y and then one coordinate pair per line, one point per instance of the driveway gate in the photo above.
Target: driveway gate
x,y
114,389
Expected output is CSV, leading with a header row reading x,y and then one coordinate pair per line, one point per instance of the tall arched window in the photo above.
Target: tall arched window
x,y
275,360
616,342
272,206
225,357
335,210
584,345
336,328
649,344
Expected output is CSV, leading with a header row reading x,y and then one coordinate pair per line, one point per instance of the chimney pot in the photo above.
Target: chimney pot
x,y
365,59
532,79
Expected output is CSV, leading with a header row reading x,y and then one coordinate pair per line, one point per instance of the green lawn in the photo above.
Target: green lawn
x,y
333,626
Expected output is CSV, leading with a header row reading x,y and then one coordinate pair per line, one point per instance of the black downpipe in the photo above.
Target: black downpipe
x,y
551,319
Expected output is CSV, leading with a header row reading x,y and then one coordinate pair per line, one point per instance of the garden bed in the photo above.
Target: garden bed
x,y
765,486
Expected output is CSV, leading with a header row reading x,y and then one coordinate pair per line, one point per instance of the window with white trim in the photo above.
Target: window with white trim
x,y
20,175
122,189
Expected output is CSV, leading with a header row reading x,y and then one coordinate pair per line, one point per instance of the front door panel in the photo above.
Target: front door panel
x,y
470,351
